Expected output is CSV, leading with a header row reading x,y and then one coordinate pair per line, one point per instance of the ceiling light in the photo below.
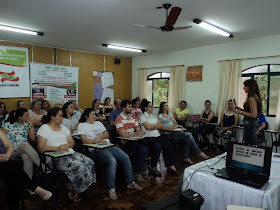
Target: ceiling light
x,y
9,28
123,48
212,28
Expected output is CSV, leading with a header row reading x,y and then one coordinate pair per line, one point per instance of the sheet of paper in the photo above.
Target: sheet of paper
x,y
94,73
107,79
107,92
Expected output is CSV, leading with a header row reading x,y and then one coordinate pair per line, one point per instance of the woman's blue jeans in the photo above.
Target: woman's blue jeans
x,y
110,155
251,127
187,138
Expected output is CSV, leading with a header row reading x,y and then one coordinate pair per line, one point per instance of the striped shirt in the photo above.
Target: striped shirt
x,y
128,124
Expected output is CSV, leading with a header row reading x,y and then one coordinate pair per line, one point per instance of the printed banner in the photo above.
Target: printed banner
x,y
14,72
56,84
103,84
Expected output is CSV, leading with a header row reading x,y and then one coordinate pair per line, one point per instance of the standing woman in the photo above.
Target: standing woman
x,y
108,107
18,128
3,113
99,113
53,136
252,107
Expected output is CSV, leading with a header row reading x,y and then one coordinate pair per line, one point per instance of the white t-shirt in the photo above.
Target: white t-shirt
x,y
151,119
91,131
54,138
71,123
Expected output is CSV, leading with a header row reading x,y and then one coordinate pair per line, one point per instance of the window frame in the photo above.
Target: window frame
x,y
269,74
153,79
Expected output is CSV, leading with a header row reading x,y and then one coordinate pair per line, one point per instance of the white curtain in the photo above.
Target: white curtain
x,y
277,118
177,89
142,83
229,84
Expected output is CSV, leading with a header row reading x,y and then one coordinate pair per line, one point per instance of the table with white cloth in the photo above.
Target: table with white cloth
x,y
218,192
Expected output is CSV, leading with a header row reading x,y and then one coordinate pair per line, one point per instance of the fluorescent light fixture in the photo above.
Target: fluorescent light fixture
x,y
212,28
19,30
123,48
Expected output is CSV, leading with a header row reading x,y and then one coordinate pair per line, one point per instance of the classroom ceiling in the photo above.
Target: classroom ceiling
x,y
86,24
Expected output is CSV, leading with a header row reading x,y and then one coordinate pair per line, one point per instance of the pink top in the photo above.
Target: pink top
x,y
136,113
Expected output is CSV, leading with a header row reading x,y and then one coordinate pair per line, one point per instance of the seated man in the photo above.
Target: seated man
x,y
263,125
115,113
229,120
128,126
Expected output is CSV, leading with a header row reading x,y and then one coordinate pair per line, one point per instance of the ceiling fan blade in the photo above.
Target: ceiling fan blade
x,y
173,15
146,26
181,28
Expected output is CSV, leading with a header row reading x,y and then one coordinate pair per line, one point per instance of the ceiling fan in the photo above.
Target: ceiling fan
x,y
170,19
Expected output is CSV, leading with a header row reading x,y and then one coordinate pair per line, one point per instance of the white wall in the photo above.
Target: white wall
x,y
208,56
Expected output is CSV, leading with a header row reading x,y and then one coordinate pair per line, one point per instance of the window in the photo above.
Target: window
x,y
268,78
158,87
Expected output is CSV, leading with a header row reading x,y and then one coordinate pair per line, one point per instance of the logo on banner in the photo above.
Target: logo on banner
x,y
8,77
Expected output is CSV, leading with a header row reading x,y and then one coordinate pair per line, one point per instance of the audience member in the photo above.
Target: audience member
x,y
20,104
150,125
229,120
169,123
58,105
99,114
45,105
36,113
76,107
92,132
252,107
53,136
116,112
3,113
14,177
206,116
181,114
136,111
19,128
128,126
107,107
262,126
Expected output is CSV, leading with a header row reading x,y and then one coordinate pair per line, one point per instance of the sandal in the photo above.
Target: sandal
x,y
74,196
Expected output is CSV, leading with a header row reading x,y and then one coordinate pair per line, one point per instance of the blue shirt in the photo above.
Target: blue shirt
x,y
114,114
166,120
261,120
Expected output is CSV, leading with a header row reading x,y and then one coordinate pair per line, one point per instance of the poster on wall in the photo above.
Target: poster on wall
x,y
56,84
103,84
14,72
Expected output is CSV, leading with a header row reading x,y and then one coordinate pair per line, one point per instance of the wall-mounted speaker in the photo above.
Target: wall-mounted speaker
x,y
117,61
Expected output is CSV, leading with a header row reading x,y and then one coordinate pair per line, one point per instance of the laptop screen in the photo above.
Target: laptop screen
x,y
246,157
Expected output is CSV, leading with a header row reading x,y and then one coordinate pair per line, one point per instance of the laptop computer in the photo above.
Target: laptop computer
x,y
248,165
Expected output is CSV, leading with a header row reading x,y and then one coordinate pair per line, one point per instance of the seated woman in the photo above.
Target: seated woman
x,y
169,123
99,113
91,132
45,105
19,128
71,121
181,114
36,113
53,136
150,125
108,107
262,126
229,120
206,116
136,111
3,113
20,104
13,176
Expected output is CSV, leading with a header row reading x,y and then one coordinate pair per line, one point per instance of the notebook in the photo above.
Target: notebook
x,y
248,165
